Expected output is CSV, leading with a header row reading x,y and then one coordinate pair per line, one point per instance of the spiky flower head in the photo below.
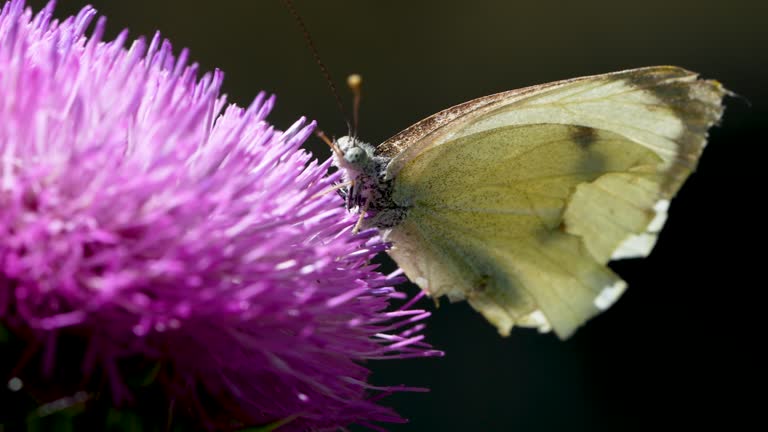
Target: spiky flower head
x,y
143,221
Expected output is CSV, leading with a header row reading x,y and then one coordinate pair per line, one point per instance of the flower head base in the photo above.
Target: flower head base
x,y
142,214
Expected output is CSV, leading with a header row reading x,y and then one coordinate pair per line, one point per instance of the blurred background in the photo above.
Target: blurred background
x,y
676,350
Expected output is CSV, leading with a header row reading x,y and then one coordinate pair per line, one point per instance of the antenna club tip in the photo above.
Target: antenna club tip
x,y
354,81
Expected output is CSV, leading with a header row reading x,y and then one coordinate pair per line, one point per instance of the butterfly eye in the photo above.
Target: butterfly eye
x,y
356,156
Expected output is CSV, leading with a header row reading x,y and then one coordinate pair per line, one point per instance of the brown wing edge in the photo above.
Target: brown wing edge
x,y
698,104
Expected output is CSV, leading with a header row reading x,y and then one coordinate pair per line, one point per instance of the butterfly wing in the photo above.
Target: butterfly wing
x,y
517,201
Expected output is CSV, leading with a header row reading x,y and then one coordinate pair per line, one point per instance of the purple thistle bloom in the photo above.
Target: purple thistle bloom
x,y
141,213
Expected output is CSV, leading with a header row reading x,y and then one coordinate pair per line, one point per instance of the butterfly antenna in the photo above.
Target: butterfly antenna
x,y
354,82
316,55
320,134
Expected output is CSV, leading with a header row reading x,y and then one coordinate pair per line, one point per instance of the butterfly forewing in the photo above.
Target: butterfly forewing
x,y
516,201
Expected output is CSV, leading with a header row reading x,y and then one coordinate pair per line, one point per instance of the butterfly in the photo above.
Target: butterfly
x,y
517,201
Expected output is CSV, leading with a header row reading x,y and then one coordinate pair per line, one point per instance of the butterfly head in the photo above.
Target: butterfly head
x,y
356,158
368,191
355,155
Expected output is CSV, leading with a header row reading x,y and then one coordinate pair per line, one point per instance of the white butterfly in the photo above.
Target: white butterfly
x,y
517,201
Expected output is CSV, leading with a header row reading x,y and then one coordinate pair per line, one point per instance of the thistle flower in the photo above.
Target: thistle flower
x,y
145,218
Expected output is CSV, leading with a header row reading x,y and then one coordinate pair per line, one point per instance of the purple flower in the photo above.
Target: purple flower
x,y
145,217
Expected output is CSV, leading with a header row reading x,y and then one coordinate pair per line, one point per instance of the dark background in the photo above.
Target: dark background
x,y
678,349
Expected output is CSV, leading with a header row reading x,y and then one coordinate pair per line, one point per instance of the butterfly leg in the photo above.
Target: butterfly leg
x,y
362,216
337,187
